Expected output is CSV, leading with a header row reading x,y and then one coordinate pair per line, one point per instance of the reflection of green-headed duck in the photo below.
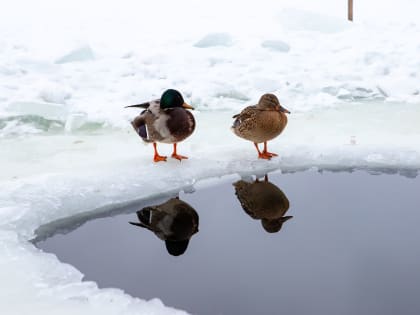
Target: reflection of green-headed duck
x,y
165,120
263,201
174,222
261,123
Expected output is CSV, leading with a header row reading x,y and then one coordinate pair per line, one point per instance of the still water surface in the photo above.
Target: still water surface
x,y
351,247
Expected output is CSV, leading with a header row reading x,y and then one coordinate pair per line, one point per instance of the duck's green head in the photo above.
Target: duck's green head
x,y
176,248
171,99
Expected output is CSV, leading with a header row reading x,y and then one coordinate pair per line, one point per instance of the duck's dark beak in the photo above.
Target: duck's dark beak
x,y
185,105
284,219
284,110
143,105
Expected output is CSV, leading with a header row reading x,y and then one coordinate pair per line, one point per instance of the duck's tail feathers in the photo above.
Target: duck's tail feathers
x,y
143,105
236,122
139,224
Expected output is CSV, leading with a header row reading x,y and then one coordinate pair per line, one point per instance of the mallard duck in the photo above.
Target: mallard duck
x,y
263,201
165,120
174,222
261,123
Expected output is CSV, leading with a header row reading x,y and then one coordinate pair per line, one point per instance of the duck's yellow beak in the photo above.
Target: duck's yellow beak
x,y
185,105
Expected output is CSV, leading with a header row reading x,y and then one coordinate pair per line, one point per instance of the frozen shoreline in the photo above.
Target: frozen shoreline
x,y
99,171
44,282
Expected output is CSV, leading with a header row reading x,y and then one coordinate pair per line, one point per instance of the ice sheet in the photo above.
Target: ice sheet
x,y
66,147
93,173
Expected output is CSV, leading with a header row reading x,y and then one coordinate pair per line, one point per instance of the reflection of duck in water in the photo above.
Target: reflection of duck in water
x,y
263,201
174,222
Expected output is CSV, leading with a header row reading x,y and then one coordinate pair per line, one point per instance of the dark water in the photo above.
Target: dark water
x,y
352,247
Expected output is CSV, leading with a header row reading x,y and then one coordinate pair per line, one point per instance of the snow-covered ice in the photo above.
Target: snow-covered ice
x,y
66,148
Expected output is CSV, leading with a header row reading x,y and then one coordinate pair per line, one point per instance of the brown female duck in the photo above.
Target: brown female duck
x,y
261,123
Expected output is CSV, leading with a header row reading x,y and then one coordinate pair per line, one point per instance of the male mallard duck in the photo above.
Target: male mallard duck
x,y
174,222
262,122
165,120
263,201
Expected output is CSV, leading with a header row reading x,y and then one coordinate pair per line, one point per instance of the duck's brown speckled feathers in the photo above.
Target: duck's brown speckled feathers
x,y
263,201
261,122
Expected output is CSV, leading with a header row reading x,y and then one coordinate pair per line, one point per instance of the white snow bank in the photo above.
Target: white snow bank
x,y
325,61
276,45
83,53
37,283
215,39
302,20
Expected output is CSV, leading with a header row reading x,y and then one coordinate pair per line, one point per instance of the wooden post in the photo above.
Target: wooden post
x,y
350,10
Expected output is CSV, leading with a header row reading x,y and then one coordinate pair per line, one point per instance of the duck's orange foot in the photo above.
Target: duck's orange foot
x,y
159,158
264,156
178,157
270,154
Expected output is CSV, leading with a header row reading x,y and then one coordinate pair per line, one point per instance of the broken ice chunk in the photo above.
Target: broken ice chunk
x,y
276,45
215,39
75,121
83,53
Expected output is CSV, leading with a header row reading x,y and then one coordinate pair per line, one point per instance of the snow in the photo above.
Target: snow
x,y
215,39
276,45
84,53
67,149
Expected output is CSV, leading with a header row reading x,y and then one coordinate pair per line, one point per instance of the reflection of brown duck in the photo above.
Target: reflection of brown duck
x,y
174,222
263,201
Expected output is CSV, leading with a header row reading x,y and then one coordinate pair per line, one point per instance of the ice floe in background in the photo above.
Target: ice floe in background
x,y
308,54
83,53
276,45
66,148
215,39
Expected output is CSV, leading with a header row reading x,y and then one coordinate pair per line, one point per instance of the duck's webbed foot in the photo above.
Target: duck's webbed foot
x,y
262,155
266,153
157,157
178,156
270,154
